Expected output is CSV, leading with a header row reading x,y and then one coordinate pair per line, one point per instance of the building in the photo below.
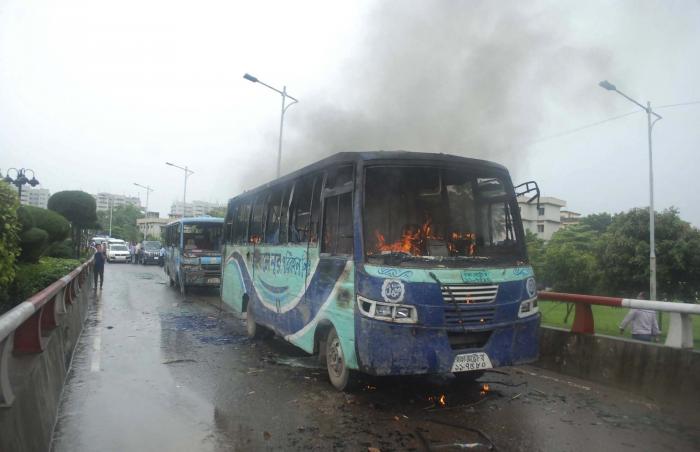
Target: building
x,y
569,218
103,200
544,220
194,208
151,225
37,197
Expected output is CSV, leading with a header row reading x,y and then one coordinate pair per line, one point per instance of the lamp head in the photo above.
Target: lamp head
x,y
607,85
33,182
249,77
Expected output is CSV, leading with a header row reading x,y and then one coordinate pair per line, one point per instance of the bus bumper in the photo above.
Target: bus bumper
x,y
385,348
202,278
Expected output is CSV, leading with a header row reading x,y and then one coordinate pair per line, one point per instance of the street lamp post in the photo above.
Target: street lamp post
x,y
111,207
285,106
650,124
188,173
20,179
148,192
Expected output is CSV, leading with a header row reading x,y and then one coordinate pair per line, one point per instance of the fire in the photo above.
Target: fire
x,y
414,241
484,389
442,400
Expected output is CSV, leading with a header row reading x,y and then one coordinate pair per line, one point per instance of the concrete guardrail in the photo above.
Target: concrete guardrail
x,y
37,340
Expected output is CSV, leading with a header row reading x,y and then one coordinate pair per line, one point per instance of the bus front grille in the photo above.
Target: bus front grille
x,y
209,268
461,341
468,293
467,315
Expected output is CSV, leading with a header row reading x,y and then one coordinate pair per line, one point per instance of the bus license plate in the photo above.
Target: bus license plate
x,y
213,280
471,361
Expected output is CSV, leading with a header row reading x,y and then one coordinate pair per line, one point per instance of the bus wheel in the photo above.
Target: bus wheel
x,y
341,377
183,287
255,331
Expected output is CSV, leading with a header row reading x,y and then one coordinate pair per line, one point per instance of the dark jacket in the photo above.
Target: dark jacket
x,y
100,258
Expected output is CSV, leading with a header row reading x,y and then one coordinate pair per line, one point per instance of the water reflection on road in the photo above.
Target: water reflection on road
x,y
181,375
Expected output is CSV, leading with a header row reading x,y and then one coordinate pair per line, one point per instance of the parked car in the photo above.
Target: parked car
x,y
149,252
118,252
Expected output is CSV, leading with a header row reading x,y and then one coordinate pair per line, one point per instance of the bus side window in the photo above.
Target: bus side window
x,y
272,224
284,214
229,222
300,211
315,210
240,225
178,229
338,225
256,220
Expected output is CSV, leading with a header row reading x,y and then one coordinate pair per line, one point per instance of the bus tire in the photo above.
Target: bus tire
x,y
255,331
341,377
183,287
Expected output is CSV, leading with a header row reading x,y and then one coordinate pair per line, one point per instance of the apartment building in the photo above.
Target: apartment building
x,y
544,220
103,200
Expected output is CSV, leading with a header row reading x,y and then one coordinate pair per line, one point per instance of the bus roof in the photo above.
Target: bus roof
x,y
192,220
352,157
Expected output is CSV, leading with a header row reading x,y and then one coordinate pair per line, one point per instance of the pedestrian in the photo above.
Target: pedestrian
x,y
162,256
99,265
132,252
643,322
137,252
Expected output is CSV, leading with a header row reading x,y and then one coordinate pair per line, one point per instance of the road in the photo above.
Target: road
x,y
154,372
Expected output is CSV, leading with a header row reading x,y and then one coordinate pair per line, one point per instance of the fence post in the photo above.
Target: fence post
x,y
6,394
680,331
583,319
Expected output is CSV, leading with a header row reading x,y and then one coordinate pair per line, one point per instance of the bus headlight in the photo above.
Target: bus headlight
x,y
388,312
528,308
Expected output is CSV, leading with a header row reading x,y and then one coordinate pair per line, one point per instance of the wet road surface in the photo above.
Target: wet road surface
x,y
155,373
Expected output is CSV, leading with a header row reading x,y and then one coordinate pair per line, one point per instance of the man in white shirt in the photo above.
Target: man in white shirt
x,y
643,322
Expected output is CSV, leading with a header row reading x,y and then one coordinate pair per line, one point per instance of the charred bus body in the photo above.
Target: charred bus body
x,y
389,263
193,252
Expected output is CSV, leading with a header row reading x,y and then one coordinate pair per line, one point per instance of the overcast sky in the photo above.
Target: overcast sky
x,y
97,95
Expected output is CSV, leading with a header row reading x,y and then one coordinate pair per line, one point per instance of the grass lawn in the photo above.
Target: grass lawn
x,y
607,320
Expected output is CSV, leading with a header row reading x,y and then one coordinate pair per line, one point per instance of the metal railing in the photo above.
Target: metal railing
x,y
24,327
680,330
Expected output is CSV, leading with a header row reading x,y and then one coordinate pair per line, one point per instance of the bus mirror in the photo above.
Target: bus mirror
x,y
526,188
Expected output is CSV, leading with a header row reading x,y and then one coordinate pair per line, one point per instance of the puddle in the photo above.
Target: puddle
x,y
206,329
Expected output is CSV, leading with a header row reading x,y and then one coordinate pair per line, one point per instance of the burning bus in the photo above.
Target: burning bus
x,y
387,263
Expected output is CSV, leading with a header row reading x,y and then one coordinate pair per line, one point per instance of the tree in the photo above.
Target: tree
x,y
123,222
624,255
77,207
570,262
535,251
9,237
217,212
598,222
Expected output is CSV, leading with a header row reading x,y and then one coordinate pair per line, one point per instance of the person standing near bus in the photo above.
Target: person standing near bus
x,y
644,325
99,265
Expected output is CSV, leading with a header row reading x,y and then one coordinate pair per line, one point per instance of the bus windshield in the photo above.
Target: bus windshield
x,y
427,216
202,236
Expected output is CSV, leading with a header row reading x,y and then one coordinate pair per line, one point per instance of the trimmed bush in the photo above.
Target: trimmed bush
x,y
52,222
34,277
34,242
25,218
62,249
